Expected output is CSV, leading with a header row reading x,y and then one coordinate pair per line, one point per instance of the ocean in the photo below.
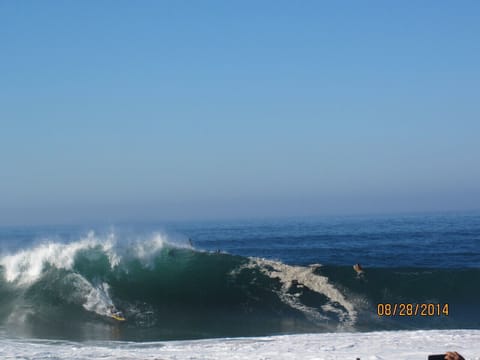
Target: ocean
x,y
259,279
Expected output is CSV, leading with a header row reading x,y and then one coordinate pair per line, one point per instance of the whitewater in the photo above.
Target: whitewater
x,y
407,345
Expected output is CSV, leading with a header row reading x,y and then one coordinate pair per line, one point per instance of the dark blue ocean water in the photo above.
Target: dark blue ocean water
x,y
240,278
435,240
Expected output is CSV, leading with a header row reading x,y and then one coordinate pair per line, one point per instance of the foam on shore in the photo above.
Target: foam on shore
x,y
407,345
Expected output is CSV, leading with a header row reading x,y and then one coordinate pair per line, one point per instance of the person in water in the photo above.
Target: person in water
x,y
113,311
358,269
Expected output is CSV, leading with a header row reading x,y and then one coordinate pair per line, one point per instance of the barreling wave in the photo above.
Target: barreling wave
x,y
170,290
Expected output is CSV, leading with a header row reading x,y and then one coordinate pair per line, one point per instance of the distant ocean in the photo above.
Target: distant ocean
x,y
177,281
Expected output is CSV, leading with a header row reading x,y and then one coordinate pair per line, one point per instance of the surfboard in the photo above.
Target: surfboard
x,y
117,317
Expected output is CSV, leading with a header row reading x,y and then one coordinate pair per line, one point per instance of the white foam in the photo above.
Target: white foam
x,y
403,345
147,249
305,276
26,266
98,299
95,298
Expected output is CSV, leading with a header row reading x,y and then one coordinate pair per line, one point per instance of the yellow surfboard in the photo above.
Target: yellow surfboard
x,y
117,317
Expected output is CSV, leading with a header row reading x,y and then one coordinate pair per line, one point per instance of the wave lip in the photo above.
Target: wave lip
x,y
27,266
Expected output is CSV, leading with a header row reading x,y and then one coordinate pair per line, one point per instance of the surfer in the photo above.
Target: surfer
x,y
358,269
114,313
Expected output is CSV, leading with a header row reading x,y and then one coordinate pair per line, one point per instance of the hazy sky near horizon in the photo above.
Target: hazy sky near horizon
x,y
154,110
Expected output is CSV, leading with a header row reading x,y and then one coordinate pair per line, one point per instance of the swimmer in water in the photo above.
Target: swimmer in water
x,y
358,269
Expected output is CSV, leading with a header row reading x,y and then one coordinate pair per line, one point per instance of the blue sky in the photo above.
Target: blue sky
x,y
156,110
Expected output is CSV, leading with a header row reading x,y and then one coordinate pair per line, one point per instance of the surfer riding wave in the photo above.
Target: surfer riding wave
x,y
114,313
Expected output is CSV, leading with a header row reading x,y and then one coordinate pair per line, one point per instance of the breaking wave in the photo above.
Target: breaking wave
x,y
169,290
